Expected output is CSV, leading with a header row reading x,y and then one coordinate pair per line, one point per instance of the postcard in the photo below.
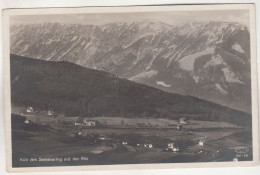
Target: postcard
x,y
135,87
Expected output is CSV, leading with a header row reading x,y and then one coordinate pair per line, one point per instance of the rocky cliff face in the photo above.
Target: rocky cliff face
x,y
207,60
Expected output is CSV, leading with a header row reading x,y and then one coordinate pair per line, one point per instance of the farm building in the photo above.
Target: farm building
x,y
170,145
175,149
89,123
50,112
77,124
183,120
102,138
29,109
200,152
172,148
148,145
124,143
201,143
26,121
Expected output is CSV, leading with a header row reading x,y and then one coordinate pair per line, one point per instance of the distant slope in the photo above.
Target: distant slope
x,y
78,91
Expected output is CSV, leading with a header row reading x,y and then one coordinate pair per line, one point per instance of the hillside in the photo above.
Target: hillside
x,y
209,60
78,91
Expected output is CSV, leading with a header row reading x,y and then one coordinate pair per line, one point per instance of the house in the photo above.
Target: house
x,y
77,124
79,133
102,138
201,143
148,145
26,121
175,149
170,145
183,120
89,123
50,112
29,109
200,152
172,148
138,144
124,143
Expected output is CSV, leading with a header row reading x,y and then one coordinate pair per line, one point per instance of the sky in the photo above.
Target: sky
x,y
172,18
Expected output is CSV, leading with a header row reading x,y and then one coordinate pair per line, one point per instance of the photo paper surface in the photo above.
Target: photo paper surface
x,y
124,87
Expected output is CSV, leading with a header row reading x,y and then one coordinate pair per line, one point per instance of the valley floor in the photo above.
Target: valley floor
x,y
51,142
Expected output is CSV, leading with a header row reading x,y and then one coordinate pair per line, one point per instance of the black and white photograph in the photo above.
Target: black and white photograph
x,y
135,85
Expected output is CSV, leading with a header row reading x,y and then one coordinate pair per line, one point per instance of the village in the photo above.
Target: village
x,y
169,138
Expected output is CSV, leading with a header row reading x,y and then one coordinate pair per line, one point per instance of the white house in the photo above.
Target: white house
x,y
175,149
79,133
102,138
89,123
148,145
77,124
183,120
201,143
170,145
50,112
26,121
29,109
124,143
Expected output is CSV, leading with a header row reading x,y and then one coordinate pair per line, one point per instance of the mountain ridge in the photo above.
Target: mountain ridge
x,y
208,60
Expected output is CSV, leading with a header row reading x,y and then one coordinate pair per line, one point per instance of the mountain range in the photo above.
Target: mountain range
x,y
208,60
